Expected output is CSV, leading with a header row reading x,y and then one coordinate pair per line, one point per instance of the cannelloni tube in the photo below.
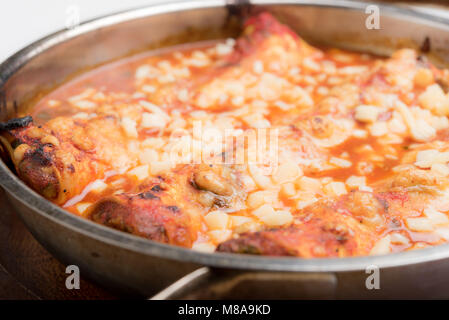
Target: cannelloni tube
x,y
50,163
147,215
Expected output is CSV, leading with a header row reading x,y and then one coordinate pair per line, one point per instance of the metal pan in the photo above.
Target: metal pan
x,y
136,265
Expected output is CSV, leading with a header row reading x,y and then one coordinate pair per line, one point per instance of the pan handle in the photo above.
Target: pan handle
x,y
213,283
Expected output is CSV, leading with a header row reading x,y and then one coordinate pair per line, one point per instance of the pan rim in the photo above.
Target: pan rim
x,y
20,191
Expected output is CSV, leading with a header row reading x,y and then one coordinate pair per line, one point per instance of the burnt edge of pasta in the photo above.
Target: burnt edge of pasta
x,y
16,123
426,45
239,10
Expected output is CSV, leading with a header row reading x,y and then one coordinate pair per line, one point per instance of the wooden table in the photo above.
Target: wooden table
x,y
28,271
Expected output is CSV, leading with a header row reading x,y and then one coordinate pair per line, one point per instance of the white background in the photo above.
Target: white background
x,y
24,21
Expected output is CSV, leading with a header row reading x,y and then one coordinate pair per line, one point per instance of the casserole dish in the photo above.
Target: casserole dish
x,y
100,252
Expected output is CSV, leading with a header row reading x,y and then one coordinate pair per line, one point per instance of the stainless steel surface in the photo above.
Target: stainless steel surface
x,y
135,264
